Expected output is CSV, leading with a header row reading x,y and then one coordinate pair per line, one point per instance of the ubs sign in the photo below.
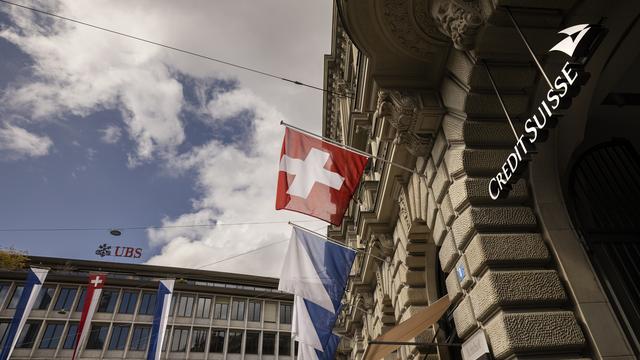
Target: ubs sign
x,y
120,251
579,44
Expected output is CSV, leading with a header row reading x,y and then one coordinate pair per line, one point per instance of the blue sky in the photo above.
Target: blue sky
x,y
101,131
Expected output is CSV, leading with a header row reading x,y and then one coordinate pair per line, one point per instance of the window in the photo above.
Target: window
x,y
284,344
65,299
128,302
237,309
80,304
51,336
108,301
4,290
119,335
147,303
268,343
221,309
97,336
251,343
270,312
28,335
3,332
198,340
285,313
217,341
70,339
185,306
44,298
179,341
140,338
204,307
17,293
255,308
235,342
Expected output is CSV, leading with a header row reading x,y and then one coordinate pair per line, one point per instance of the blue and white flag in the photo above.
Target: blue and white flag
x,y
30,292
316,271
160,318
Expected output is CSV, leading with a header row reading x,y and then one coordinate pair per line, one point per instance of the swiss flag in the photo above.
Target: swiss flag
x,y
317,178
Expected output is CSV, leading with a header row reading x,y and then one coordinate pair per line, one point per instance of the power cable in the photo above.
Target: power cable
x,y
243,253
150,226
188,52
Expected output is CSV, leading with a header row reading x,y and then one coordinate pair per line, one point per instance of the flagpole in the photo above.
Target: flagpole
x,y
335,242
352,149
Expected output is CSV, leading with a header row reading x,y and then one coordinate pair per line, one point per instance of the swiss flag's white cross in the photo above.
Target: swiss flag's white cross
x,y
96,281
308,172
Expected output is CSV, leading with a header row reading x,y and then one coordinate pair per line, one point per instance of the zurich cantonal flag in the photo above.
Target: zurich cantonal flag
x,y
316,271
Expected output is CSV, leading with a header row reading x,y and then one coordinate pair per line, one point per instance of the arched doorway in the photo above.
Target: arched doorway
x,y
604,198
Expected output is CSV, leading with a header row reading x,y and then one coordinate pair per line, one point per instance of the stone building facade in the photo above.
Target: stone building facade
x,y
549,271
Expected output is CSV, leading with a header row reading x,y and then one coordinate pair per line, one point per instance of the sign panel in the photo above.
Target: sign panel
x,y
476,347
119,251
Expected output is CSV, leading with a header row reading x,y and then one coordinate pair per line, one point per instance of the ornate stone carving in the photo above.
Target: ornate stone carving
x,y
460,20
384,243
414,123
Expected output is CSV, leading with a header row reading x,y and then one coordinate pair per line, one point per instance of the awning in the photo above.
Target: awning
x,y
407,329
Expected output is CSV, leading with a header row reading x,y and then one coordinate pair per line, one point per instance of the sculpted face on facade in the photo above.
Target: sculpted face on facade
x,y
459,19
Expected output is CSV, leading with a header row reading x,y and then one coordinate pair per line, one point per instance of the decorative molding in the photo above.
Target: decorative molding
x,y
415,122
460,20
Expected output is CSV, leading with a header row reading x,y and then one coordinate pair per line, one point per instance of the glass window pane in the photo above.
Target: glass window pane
x,y
198,340
270,312
255,310
147,304
268,343
128,302
108,301
3,332
140,338
80,303
284,344
44,297
51,336
285,313
251,342
119,335
4,290
217,341
179,340
204,307
185,305
221,309
70,338
28,335
65,299
17,293
97,336
235,342
237,309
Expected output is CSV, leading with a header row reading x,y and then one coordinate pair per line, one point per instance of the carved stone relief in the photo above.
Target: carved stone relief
x,y
460,20
415,124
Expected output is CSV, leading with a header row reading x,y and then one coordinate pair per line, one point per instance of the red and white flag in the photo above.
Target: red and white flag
x,y
317,178
91,299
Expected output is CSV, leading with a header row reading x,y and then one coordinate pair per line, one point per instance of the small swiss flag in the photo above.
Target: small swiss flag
x,y
317,178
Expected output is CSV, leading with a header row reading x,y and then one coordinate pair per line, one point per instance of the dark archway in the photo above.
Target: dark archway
x,y
604,190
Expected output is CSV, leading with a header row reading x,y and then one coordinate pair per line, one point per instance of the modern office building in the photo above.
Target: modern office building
x,y
547,271
213,315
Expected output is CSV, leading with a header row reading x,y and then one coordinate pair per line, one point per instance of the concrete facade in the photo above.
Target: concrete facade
x,y
407,83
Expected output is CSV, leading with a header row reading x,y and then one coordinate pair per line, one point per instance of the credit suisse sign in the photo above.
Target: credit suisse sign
x,y
579,44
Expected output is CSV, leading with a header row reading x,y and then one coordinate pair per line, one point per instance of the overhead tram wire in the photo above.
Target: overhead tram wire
x,y
151,226
188,52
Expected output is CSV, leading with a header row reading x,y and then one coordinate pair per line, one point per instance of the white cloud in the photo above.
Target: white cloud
x,y
16,143
111,134
80,70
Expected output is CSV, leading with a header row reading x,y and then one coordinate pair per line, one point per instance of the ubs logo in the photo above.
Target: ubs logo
x,y
579,44
120,251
